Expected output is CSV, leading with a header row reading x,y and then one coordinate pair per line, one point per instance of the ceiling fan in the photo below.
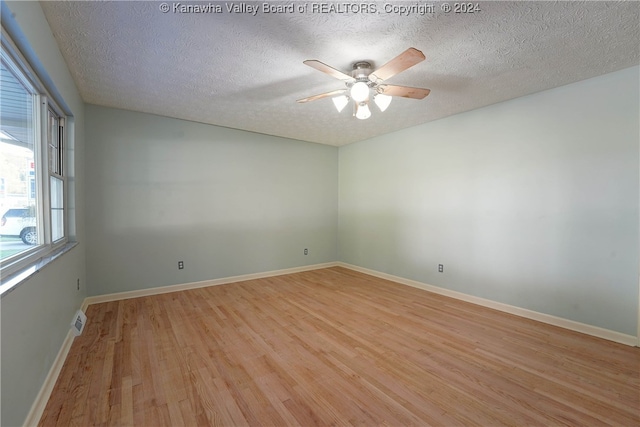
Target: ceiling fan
x,y
363,82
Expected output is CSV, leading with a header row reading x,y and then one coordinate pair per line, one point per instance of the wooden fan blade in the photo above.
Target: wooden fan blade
x,y
320,66
403,91
406,59
322,95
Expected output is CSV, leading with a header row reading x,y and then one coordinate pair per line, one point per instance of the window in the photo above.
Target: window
x,y
33,185
55,138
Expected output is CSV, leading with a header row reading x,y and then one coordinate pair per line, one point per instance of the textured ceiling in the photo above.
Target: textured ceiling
x,y
245,71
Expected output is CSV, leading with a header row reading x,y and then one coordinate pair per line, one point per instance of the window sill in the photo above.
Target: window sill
x,y
11,282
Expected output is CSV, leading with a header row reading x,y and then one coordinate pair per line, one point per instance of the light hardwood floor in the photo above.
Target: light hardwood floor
x,y
335,347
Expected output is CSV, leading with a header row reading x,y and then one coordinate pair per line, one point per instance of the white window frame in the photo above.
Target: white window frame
x,y
50,105
43,102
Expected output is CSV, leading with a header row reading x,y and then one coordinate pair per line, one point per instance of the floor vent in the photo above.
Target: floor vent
x,y
77,325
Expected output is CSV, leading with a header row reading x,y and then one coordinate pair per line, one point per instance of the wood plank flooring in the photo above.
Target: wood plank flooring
x,y
335,347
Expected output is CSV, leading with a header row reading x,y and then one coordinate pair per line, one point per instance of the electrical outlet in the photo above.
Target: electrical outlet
x,y
180,265
306,251
440,268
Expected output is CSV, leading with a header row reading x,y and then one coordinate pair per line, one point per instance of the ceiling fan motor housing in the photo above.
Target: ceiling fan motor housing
x,y
361,71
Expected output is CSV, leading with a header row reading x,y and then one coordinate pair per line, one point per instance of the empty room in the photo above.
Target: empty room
x,y
320,213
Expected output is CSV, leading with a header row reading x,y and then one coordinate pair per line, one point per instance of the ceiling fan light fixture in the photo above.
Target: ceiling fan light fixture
x,y
362,111
382,101
359,92
364,84
340,102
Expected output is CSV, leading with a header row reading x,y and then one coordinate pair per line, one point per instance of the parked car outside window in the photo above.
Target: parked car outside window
x,y
19,222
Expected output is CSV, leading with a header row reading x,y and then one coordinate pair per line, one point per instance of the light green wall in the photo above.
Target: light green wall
x,y
226,202
35,317
532,202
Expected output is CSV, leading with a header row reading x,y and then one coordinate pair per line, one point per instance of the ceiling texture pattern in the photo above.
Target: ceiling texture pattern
x,y
245,71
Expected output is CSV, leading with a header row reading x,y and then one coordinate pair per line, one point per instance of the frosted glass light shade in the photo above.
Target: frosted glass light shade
x,y
340,102
382,101
360,92
362,111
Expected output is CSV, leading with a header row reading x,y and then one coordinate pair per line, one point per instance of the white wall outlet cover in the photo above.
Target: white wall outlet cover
x,y
78,322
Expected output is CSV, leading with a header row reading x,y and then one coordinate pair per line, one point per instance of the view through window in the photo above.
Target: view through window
x,y
32,166
19,202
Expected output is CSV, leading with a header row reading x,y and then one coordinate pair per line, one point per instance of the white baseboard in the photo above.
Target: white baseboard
x,y
518,311
37,408
194,285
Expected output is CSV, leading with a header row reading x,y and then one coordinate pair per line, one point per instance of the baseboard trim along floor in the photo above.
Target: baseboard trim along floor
x,y
37,408
195,285
43,396
518,311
